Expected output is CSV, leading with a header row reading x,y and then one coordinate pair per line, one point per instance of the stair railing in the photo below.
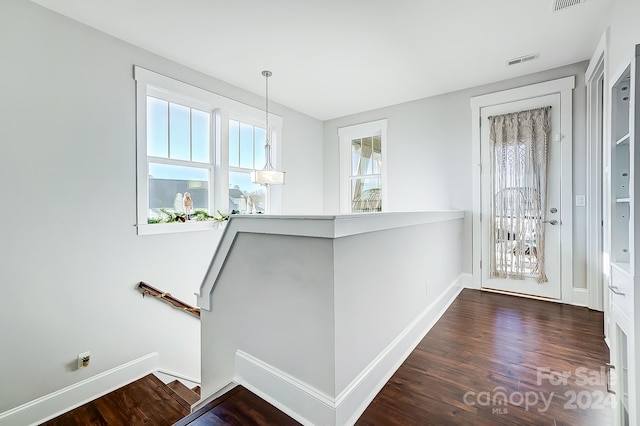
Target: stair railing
x,y
148,290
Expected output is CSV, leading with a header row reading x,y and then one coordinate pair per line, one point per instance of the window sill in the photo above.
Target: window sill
x,y
172,228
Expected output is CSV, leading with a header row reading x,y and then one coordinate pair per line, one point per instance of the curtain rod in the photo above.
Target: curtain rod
x,y
528,110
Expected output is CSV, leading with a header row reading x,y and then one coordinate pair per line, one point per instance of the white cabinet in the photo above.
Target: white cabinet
x,y
624,293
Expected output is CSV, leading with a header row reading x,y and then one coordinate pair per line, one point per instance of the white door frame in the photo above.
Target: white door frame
x,y
596,131
563,86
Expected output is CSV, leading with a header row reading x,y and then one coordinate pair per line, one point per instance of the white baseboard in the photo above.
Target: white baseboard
x,y
205,399
310,406
168,376
59,402
466,280
356,397
580,297
304,403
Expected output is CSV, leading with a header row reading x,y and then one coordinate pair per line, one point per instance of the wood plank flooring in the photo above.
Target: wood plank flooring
x,y
146,401
490,343
485,345
238,407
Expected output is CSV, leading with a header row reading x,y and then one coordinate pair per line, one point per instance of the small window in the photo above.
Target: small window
x,y
362,180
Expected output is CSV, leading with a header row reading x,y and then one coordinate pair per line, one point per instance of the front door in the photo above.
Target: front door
x,y
523,246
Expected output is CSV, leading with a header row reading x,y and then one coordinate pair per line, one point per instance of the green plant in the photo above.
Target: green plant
x,y
222,217
173,216
201,216
198,215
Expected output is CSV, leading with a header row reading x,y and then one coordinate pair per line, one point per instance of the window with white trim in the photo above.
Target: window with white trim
x,y
246,153
195,153
363,168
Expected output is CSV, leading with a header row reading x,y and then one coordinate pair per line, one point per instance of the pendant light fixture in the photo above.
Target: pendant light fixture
x,y
268,175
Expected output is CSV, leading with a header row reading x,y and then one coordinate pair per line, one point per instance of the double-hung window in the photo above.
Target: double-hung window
x,y
195,153
246,153
363,168
179,162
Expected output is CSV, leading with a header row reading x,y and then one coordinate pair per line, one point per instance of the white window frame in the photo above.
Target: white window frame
x,y
149,83
346,135
243,119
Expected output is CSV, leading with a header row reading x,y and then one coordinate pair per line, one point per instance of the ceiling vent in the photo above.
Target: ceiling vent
x,y
559,5
523,59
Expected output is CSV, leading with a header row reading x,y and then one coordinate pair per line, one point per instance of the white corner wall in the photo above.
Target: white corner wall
x,y
398,273
69,254
314,314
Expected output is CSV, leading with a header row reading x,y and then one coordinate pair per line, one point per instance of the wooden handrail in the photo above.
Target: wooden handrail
x,y
146,289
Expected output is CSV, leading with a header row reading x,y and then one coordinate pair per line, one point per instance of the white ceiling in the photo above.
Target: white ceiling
x,y
332,58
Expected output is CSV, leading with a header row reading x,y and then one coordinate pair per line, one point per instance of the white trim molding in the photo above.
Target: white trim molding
x,y
597,127
580,297
220,110
310,406
77,394
563,86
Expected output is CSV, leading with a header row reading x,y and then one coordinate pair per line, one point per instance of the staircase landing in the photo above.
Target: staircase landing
x,y
238,407
148,401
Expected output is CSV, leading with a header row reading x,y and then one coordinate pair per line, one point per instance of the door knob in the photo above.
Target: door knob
x,y
553,210
552,221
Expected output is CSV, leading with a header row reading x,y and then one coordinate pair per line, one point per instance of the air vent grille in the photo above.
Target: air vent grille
x,y
523,59
563,4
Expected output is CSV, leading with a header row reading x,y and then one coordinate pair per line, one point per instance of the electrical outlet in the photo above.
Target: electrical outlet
x,y
84,359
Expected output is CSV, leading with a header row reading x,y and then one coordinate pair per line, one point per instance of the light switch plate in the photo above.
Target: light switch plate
x,y
580,201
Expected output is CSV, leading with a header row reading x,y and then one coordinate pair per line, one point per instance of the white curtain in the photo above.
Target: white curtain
x,y
520,154
366,151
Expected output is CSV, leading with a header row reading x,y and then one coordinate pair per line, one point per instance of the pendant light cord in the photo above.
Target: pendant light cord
x,y
267,144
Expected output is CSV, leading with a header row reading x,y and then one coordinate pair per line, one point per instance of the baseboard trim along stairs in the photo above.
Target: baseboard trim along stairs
x,y
77,394
147,400
308,405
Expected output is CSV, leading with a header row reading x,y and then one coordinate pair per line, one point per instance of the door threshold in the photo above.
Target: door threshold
x,y
523,295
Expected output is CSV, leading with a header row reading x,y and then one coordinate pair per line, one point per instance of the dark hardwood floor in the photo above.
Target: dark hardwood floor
x,y
487,345
238,407
487,349
146,401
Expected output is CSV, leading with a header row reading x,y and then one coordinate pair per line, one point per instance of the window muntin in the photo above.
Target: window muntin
x,y
366,174
362,168
183,144
178,147
246,153
177,132
246,145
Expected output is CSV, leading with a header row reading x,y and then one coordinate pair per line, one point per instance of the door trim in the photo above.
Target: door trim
x,y
563,86
596,237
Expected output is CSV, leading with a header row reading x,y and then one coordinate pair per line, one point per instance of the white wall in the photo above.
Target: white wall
x,y
383,282
279,311
329,308
624,34
69,254
429,155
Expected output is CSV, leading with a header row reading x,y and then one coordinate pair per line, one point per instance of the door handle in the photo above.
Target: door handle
x,y
551,222
616,290
609,367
